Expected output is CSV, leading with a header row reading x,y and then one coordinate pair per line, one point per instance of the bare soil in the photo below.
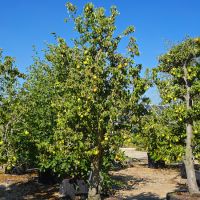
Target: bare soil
x,y
139,183
143,183
18,187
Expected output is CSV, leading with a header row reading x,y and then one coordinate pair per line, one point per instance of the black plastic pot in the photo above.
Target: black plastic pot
x,y
183,171
69,188
182,196
48,177
155,164
16,170
184,175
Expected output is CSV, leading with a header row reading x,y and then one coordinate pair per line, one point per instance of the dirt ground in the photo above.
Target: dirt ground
x,y
18,187
140,183
143,183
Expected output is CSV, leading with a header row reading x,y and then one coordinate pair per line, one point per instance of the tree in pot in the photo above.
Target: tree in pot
x,y
178,80
99,96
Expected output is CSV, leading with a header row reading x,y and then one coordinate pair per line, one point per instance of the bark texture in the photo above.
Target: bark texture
x,y
189,165
94,192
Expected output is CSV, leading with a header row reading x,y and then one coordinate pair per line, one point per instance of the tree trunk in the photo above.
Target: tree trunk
x,y
94,192
189,165
95,179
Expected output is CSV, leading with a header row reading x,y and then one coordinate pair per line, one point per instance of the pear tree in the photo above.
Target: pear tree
x,y
9,88
178,80
161,135
99,94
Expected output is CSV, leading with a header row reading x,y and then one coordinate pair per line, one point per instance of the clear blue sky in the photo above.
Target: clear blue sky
x,y
25,23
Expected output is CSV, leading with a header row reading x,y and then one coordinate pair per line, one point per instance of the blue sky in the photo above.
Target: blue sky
x,y
26,23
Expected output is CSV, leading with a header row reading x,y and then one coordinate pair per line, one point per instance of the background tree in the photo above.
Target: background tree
x,y
39,117
177,78
162,135
9,88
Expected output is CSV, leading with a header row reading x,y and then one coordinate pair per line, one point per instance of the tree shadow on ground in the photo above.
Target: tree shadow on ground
x,y
144,196
128,182
28,190
133,183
